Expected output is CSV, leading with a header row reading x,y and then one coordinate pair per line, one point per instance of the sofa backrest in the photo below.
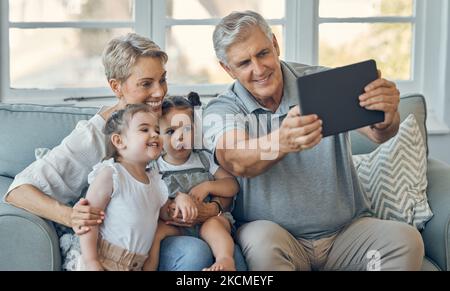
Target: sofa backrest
x,y
412,103
23,128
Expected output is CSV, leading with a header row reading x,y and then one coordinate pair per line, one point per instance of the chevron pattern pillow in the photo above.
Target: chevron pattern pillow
x,y
394,177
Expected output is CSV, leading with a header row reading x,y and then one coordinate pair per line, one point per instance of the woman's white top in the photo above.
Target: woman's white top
x,y
131,217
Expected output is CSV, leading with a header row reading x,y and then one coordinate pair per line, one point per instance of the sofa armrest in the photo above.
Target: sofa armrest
x,y
27,242
436,234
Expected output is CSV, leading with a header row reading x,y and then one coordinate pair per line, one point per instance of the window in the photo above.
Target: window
x,y
353,30
56,45
51,48
187,37
348,31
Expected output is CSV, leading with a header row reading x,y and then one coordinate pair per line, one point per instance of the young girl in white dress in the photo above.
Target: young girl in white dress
x,y
130,195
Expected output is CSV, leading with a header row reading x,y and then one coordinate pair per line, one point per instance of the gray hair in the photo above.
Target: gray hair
x,y
234,28
122,53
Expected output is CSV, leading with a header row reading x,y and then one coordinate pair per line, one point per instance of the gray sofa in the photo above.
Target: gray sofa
x,y
28,242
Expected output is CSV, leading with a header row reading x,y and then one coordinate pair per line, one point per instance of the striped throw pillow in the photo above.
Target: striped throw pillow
x,y
394,177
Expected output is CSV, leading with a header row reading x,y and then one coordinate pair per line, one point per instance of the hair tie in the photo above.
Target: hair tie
x,y
115,114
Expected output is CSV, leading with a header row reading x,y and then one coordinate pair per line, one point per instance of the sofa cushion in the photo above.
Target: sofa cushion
x,y
23,128
428,265
28,243
4,185
415,104
394,177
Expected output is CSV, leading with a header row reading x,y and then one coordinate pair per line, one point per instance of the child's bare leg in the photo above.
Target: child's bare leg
x,y
216,232
163,231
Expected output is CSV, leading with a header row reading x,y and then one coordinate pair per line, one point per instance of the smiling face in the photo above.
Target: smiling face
x,y
255,63
178,136
146,84
141,141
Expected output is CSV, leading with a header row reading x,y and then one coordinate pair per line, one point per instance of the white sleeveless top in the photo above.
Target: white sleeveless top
x,y
131,217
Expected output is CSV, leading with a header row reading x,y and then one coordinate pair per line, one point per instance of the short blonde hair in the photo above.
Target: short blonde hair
x,y
122,53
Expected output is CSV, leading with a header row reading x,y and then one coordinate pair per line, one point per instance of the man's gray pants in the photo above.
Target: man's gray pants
x,y
367,244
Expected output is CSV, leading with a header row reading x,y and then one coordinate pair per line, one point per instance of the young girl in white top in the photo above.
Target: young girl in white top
x,y
130,195
192,177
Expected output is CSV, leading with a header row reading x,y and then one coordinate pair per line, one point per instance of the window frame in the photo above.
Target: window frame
x,y
301,24
416,20
428,16
58,95
159,36
148,22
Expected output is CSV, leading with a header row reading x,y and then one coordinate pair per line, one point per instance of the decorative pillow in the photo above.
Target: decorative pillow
x,y
394,177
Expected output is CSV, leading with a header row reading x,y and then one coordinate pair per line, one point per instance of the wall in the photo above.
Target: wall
x,y
447,73
1,54
440,147
440,144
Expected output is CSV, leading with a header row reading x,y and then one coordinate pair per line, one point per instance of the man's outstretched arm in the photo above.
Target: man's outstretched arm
x,y
245,157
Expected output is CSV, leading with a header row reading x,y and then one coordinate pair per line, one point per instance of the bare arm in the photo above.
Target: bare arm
x,y
245,157
99,195
382,135
224,185
240,160
35,201
229,185
223,189
163,231
205,211
164,212
185,207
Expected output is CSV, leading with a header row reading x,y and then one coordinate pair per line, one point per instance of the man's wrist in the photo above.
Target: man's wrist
x,y
387,129
382,128
270,146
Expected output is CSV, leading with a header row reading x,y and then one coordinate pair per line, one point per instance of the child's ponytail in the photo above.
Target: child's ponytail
x,y
194,99
181,103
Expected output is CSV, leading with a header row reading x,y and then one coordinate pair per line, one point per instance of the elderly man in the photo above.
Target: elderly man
x,y
300,206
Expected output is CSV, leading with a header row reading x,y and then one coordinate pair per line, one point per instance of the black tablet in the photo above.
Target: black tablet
x,y
334,96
